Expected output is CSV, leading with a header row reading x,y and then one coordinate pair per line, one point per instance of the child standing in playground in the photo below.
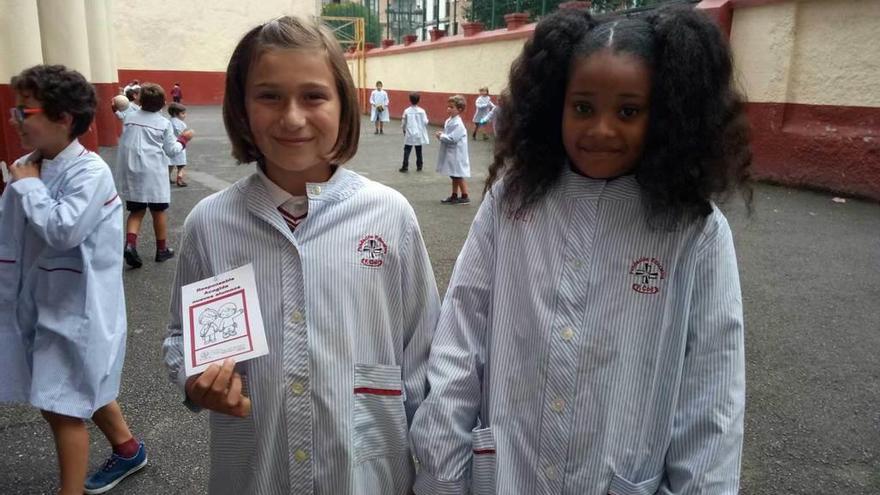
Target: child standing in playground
x,y
483,112
415,131
591,339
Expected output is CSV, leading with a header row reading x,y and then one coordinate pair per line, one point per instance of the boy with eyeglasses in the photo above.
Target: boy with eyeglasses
x,y
62,309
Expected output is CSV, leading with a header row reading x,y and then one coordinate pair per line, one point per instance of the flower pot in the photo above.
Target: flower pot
x,y
436,34
472,28
369,46
387,42
516,20
409,39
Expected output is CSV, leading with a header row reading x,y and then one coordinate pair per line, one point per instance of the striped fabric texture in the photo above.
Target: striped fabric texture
x,y
581,351
349,303
67,264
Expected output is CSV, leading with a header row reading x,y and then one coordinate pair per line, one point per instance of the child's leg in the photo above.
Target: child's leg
x,y
462,188
452,197
406,150
133,224
171,173
112,424
181,176
72,446
419,161
160,228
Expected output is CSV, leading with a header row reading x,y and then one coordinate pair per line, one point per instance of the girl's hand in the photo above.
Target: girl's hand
x,y
219,389
187,134
437,134
24,171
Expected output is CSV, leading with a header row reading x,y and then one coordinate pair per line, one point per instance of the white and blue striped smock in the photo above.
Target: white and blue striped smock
x,y
178,126
609,355
64,267
142,157
349,304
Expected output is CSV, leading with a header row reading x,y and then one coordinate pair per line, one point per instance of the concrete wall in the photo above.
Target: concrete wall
x,y
810,70
190,36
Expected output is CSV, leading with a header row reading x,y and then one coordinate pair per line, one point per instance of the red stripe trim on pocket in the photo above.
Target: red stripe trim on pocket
x,y
59,270
11,262
483,451
377,391
111,200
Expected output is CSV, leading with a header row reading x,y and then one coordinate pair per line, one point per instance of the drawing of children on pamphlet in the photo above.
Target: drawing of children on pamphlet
x,y
229,313
223,321
209,329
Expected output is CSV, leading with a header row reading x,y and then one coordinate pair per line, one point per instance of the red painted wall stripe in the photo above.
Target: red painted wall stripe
x,y
377,391
199,87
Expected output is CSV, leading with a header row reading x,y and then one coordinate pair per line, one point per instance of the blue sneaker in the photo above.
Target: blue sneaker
x,y
115,469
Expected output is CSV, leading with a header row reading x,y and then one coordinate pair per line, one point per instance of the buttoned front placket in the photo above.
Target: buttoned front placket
x,y
297,397
564,339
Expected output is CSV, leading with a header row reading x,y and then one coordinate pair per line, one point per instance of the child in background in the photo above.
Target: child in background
x,y
415,131
61,274
591,339
453,157
482,112
379,102
177,112
133,93
347,293
176,93
142,160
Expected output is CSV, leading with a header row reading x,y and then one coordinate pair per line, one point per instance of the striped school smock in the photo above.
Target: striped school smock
x,y
349,303
580,351
70,306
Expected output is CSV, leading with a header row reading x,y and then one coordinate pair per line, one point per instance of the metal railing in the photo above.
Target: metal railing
x,y
395,19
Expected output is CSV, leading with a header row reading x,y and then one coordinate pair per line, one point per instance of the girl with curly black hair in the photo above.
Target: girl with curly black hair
x,y
591,340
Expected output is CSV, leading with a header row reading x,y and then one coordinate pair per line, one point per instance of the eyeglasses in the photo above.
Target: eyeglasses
x,y
22,112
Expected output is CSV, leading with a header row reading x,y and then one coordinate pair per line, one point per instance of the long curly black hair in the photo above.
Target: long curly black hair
x,y
696,147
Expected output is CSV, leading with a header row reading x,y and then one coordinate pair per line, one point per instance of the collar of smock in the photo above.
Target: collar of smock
x,y
342,184
579,186
73,150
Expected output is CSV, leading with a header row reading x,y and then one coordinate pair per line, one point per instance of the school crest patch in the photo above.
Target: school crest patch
x,y
372,250
648,273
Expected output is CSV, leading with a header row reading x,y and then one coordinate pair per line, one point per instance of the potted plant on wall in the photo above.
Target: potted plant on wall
x,y
409,39
436,33
516,20
472,26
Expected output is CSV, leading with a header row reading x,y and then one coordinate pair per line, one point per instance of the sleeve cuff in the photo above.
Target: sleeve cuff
x,y
429,485
26,185
182,140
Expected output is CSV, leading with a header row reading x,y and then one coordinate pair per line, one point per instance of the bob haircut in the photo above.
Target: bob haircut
x,y
287,33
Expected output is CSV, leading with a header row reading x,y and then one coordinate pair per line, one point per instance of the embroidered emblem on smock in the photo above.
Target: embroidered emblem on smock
x,y
648,273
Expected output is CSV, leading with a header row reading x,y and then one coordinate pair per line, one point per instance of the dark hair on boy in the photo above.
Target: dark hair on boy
x,y
175,109
696,146
152,97
415,98
287,32
131,92
60,91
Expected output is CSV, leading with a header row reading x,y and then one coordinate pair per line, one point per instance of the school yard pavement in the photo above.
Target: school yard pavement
x,y
810,271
